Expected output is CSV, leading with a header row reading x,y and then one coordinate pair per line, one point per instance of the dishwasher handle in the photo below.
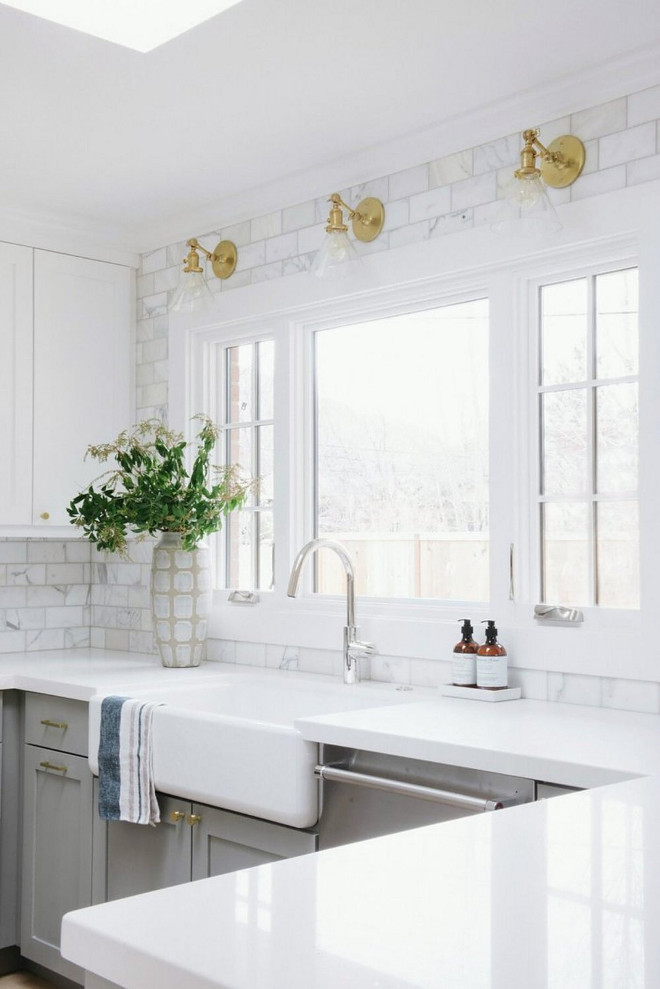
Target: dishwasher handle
x,y
336,774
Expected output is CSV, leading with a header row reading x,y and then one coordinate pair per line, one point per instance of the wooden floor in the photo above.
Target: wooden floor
x,y
23,980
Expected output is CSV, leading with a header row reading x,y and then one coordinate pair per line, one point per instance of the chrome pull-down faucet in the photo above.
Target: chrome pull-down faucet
x,y
354,649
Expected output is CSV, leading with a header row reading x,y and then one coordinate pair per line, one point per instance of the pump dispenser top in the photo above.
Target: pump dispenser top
x,y
466,629
491,632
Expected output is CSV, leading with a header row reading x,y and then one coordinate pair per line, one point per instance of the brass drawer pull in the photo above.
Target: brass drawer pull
x,y
194,819
45,516
54,724
52,765
176,816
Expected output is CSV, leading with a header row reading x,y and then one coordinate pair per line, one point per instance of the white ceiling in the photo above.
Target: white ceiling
x,y
137,145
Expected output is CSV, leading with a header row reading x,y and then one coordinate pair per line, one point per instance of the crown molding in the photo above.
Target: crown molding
x,y
615,79
68,235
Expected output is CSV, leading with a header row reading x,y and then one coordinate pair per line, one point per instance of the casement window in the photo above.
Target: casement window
x,y
588,402
401,453
243,383
375,432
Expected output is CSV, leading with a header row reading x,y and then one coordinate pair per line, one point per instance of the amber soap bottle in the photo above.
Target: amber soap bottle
x,y
491,661
464,658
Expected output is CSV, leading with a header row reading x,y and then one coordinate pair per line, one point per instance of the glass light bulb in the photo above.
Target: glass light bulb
x,y
193,294
336,256
526,210
528,193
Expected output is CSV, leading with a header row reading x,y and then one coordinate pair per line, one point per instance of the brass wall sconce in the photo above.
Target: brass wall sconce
x,y
193,294
526,207
367,221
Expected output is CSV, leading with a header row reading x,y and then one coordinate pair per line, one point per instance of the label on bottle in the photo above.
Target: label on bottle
x,y
464,669
492,671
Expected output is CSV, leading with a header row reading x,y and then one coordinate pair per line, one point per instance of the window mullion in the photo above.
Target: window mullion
x,y
256,467
591,441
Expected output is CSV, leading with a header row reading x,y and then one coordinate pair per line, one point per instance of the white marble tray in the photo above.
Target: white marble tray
x,y
475,694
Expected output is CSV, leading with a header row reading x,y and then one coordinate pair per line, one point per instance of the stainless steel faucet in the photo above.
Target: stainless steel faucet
x,y
354,649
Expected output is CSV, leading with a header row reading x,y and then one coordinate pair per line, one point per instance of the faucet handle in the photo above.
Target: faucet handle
x,y
360,650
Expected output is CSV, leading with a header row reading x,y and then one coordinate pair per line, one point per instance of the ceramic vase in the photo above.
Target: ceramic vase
x,y
180,600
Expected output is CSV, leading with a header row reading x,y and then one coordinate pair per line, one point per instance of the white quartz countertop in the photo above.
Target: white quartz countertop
x,y
558,743
81,673
562,893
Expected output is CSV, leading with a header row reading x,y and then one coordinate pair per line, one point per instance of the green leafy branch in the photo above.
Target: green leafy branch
x,y
150,490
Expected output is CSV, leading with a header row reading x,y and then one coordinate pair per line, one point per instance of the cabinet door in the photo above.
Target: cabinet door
x,y
224,842
82,360
57,852
9,821
15,384
140,859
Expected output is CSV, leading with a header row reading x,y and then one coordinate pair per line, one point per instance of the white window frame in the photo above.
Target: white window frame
x,y
216,404
585,262
618,228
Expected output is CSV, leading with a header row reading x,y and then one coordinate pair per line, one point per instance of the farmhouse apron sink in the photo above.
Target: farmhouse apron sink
x,y
230,742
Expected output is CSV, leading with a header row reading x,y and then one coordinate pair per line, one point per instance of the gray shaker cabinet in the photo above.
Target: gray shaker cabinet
x,y
225,842
139,858
9,819
57,851
192,841
58,825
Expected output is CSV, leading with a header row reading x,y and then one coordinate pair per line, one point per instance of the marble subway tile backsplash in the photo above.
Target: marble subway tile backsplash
x,y
120,598
623,695
68,594
45,594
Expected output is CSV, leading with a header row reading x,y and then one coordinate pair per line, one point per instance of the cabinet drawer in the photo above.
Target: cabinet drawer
x,y
56,723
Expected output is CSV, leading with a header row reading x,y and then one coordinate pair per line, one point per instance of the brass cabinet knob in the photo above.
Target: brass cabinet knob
x,y
176,816
194,819
45,516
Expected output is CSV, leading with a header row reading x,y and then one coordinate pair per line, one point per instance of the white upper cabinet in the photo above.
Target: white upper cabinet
x,y
82,320
15,384
65,378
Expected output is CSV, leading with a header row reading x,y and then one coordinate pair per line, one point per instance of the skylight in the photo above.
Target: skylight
x,y
139,24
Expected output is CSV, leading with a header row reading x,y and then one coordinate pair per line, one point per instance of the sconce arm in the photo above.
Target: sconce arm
x,y
553,157
353,214
210,255
195,244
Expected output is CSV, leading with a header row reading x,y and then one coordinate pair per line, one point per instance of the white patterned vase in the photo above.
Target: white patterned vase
x,y
180,600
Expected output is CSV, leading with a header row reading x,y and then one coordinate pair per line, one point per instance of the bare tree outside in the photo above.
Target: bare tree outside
x,y
402,452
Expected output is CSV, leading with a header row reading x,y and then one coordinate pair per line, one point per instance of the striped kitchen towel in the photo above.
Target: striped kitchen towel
x,y
126,781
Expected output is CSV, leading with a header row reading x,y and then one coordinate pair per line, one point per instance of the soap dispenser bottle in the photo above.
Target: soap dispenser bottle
x,y
464,658
491,661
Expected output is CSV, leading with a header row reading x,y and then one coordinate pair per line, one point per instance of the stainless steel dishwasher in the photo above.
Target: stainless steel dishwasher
x,y
367,794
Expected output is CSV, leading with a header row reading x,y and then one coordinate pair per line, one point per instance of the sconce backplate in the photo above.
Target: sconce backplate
x,y
560,174
223,259
368,222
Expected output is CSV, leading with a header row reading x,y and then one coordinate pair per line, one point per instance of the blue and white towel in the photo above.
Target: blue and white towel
x,y
126,781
